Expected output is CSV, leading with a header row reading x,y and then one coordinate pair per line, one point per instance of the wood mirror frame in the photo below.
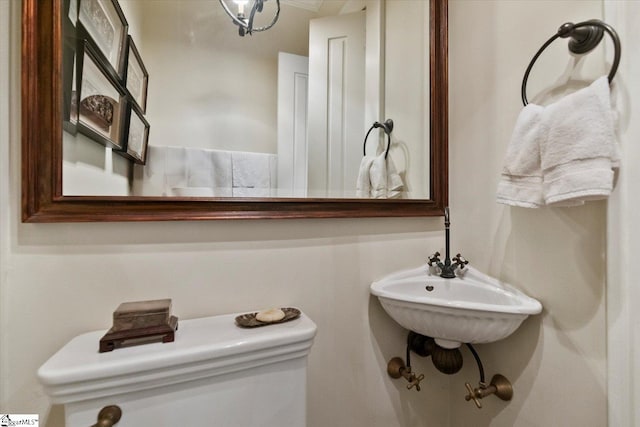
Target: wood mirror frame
x,y
42,199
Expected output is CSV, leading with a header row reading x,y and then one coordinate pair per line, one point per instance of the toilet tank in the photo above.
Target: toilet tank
x,y
214,374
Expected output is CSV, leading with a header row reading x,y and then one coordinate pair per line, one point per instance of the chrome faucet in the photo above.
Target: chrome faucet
x,y
448,267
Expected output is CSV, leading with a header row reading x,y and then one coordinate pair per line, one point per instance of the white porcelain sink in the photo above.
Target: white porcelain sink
x,y
474,308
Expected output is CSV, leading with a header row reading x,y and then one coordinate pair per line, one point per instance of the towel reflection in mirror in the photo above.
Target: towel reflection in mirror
x,y
199,172
378,178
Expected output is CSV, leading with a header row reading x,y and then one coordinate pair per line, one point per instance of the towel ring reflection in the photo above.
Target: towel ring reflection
x,y
387,126
585,36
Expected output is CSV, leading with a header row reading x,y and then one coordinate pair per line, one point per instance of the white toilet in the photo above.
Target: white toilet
x,y
213,374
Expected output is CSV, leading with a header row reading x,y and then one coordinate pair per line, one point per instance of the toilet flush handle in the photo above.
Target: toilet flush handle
x,y
108,416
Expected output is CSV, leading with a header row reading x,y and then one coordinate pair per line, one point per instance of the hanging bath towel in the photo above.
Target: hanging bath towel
x,y
563,154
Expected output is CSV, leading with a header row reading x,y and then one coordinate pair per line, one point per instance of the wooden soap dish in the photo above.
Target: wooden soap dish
x,y
249,320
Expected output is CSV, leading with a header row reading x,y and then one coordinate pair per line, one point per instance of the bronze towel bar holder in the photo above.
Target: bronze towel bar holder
x,y
387,126
584,37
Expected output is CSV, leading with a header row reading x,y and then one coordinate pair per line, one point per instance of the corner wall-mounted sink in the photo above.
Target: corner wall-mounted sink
x,y
472,308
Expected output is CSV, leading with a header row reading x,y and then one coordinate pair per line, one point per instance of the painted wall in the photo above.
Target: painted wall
x,y
557,361
623,238
407,99
220,94
5,109
74,275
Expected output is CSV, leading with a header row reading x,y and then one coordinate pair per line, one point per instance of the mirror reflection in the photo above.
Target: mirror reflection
x,y
165,98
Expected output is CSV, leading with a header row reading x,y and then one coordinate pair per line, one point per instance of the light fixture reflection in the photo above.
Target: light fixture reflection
x,y
244,21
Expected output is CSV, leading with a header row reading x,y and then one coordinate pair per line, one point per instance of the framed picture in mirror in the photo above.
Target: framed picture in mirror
x,y
71,10
137,134
136,77
69,83
102,102
106,24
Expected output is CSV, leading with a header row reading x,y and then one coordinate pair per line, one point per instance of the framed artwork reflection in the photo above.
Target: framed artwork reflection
x,y
105,22
70,90
69,78
137,133
71,10
102,101
137,77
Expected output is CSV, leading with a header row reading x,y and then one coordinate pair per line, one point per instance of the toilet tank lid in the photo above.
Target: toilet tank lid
x,y
211,342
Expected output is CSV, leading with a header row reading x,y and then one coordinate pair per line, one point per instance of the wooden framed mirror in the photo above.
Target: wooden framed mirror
x,y
42,149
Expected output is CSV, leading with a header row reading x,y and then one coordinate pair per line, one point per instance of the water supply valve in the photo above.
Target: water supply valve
x,y
500,386
396,368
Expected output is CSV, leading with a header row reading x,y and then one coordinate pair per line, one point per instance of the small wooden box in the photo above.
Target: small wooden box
x,y
141,314
140,322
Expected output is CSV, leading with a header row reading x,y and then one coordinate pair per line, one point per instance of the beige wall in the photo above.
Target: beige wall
x,y
59,280
623,236
557,361
406,100
208,87
5,108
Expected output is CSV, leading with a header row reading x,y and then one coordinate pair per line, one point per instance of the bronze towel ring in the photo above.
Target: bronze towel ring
x,y
387,126
584,37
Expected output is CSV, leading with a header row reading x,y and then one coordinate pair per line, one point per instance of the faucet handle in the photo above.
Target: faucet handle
x,y
460,261
434,258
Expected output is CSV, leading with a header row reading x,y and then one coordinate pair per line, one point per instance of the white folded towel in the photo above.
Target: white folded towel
x,y
521,180
363,184
155,161
252,192
184,171
395,185
198,167
175,172
222,173
273,172
580,153
251,170
378,175
174,161
209,168
562,154
164,170
386,183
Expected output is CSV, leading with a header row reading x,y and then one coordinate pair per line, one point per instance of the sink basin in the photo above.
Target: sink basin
x,y
472,308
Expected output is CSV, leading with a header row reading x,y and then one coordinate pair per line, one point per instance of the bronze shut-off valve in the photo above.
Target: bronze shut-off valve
x,y
500,386
396,369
